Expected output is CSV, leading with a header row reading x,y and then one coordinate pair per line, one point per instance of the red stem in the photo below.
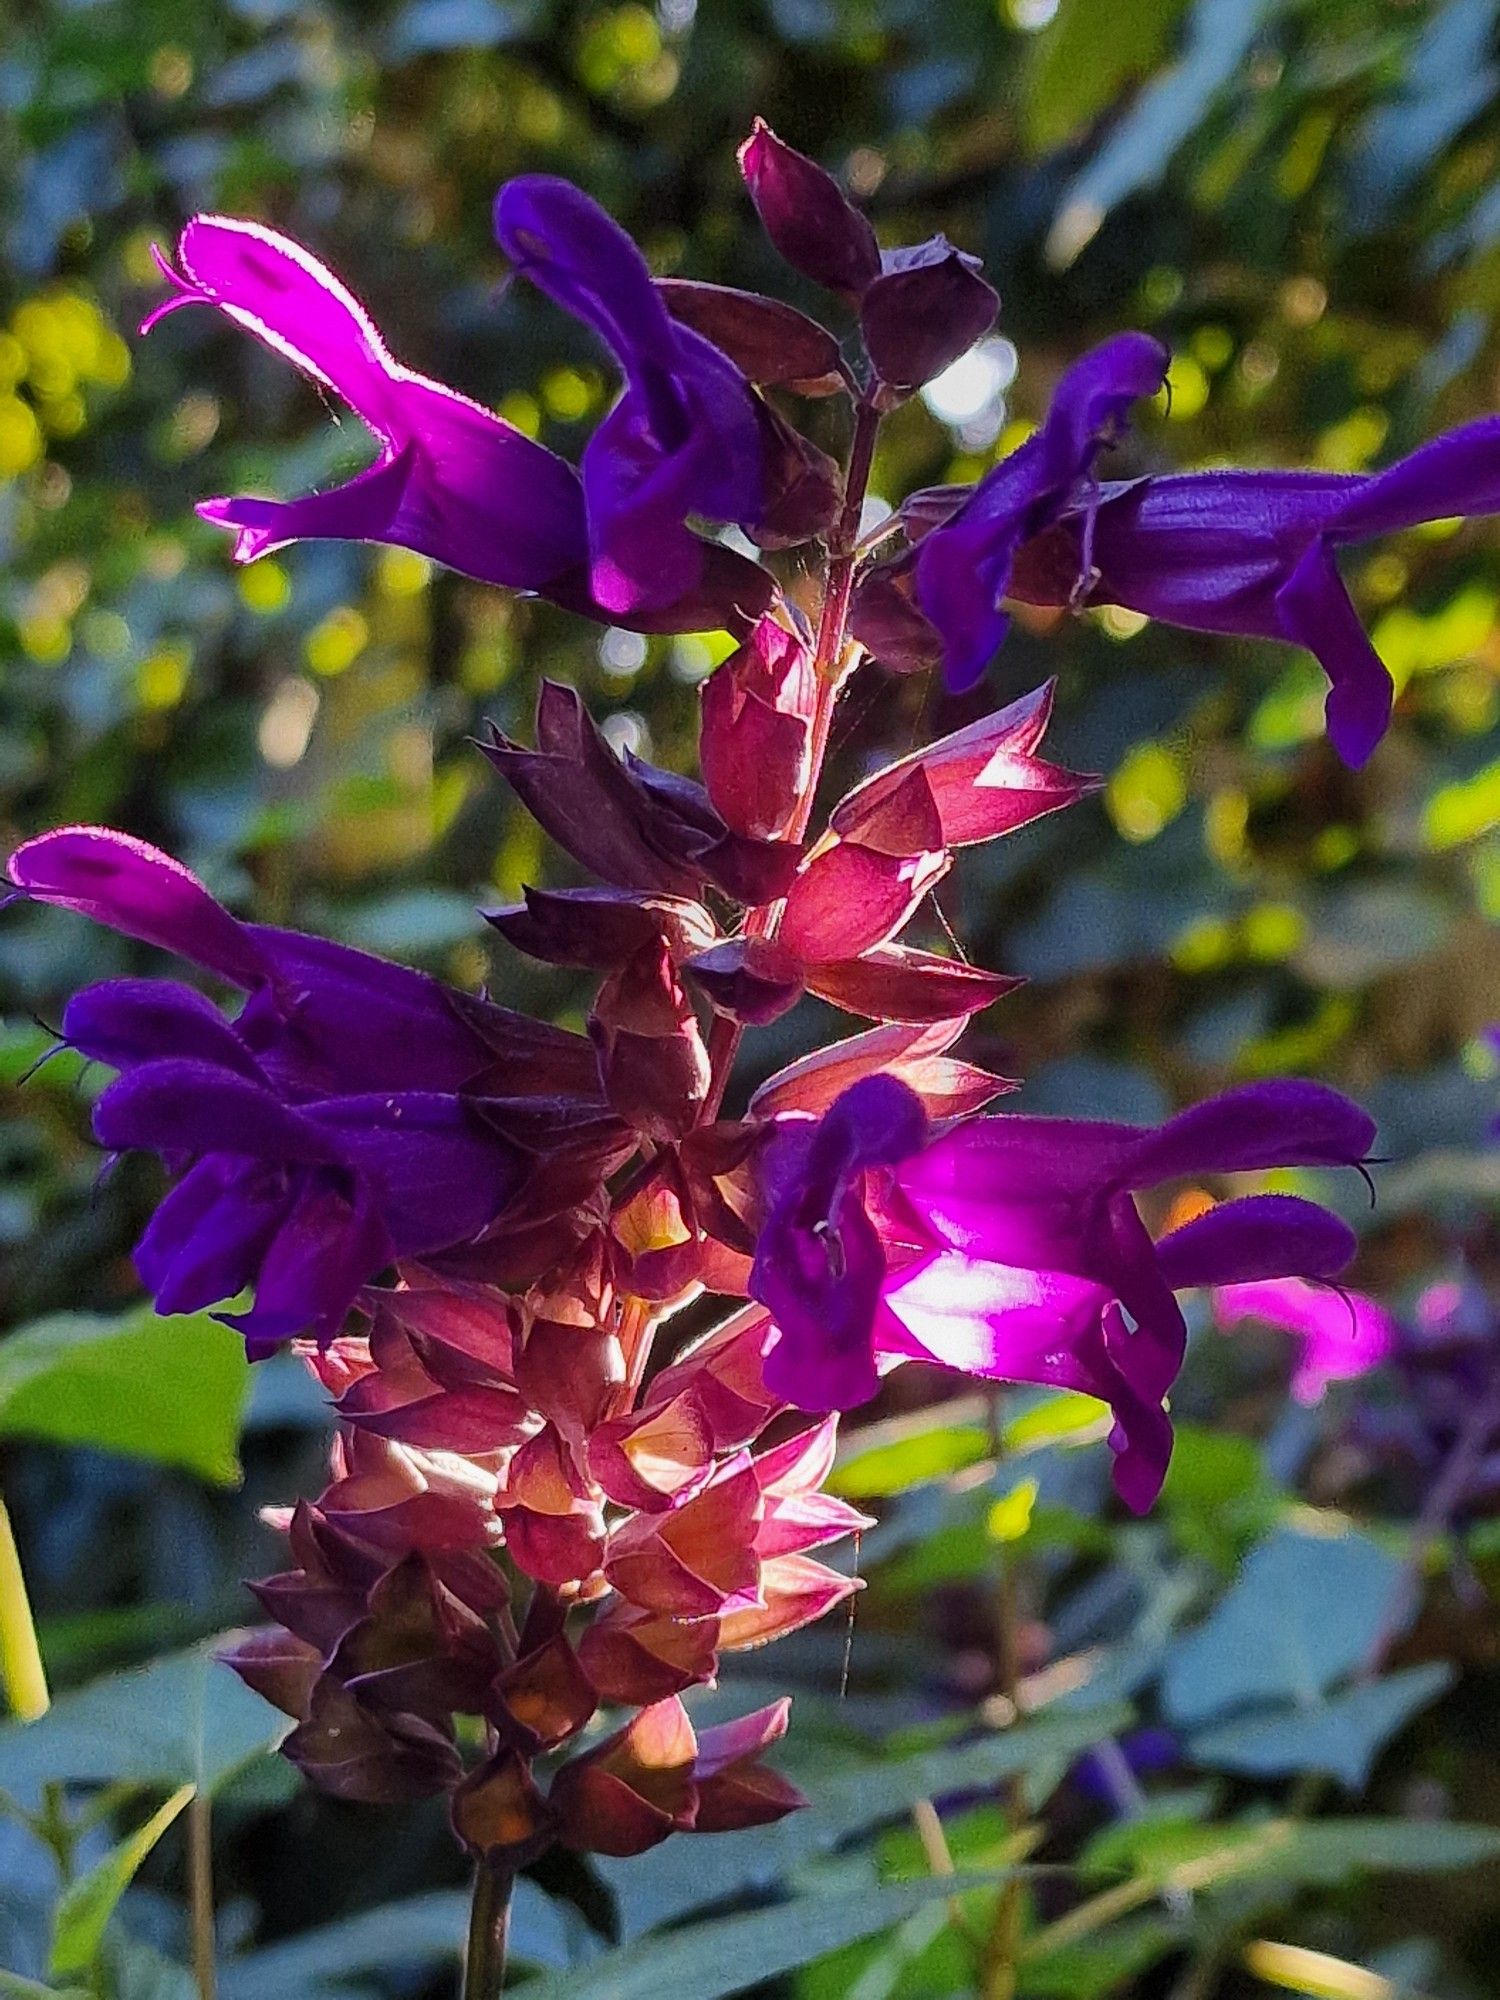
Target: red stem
x,y
828,652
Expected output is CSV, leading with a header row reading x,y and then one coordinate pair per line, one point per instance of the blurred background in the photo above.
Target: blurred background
x,y
1302,198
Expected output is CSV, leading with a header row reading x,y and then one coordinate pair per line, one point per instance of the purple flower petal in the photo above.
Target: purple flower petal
x,y
820,1261
178,1106
452,481
1279,1123
1260,1236
963,567
135,888
123,1022
1253,553
683,439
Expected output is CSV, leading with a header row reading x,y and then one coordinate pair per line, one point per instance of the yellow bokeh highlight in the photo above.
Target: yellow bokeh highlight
x,y
1335,847
1204,946
1226,827
336,642
522,413
1350,444
1411,643
161,679
1010,1516
1462,812
46,639
1187,389
1147,792
402,572
1213,347
265,587
20,437
1273,931
566,394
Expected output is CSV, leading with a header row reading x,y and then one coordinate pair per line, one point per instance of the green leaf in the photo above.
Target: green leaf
x,y
1332,1850
1086,57
1304,1613
1293,1851
171,1390
1341,1736
406,1936
712,1960
892,1457
14,1987
1218,1496
137,1971
184,1720
87,1905
682,1876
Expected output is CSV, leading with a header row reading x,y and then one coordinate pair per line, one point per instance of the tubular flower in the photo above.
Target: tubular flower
x,y
683,439
1011,1247
1254,553
355,1113
944,595
450,480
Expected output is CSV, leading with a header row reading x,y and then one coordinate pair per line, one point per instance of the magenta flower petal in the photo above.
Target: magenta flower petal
x,y
135,888
451,481
1342,1334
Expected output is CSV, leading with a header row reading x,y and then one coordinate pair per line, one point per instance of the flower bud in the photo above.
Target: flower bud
x,y
770,342
806,215
755,750
928,306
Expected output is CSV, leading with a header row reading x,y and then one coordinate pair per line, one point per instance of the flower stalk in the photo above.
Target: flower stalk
x,y
526,1521
489,1933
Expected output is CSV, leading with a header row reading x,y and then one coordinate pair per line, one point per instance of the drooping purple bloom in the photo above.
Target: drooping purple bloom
x,y
1254,553
962,568
451,480
684,438
1340,1333
355,1113
1012,1248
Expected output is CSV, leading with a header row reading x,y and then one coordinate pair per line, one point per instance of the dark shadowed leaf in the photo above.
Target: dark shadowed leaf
x,y
711,1961
1341,1736
184,1720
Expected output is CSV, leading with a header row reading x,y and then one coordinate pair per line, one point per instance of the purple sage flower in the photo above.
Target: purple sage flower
x,y
1011,1247
962,567
1254,554
451,480
354,1114
684,438
1340,1334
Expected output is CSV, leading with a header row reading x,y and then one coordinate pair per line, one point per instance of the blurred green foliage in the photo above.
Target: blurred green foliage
x,y
1302,196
